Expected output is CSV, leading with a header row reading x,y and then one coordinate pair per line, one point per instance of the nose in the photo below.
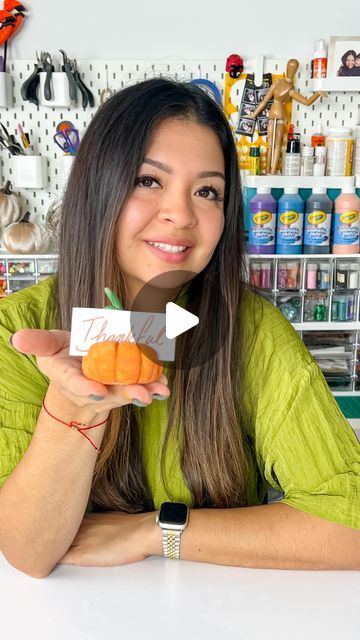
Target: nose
x,y
177,208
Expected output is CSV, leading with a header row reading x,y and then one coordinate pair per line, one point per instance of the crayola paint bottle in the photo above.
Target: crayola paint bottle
x,y
317,222
262,222
290,222
346,222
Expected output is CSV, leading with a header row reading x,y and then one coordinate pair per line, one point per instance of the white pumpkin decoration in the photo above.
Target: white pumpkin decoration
x,y
10,209
26,237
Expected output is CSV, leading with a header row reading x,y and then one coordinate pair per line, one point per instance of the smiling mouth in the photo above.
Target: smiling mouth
x,y
168,248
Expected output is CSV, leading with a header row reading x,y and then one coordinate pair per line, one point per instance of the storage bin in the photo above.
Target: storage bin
x,y
59,85
30,172
6,90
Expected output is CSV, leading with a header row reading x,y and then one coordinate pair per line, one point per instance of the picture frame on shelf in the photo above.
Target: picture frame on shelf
x,y
344,57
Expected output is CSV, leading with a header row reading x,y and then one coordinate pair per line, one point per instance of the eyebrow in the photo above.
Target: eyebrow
x,y
165,167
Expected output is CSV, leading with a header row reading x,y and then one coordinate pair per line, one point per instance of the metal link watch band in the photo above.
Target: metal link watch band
x,y
171,543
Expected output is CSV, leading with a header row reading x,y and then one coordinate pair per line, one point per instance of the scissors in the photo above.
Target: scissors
x,y
9,142
68,140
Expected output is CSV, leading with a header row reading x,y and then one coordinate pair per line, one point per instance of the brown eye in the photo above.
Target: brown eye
x,y
146,181
209,193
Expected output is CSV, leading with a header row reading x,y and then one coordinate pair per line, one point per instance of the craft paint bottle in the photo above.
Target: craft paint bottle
x,y
319,60
346,222
319,161
262,222
307,161
292,158
318,138
290,222
254,160
318,222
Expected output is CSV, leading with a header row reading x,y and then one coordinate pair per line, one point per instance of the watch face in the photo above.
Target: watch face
x,y
173,513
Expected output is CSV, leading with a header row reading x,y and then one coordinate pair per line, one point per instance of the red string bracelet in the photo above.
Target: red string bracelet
x,y
80,426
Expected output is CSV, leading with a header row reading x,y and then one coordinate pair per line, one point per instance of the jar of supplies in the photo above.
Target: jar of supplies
x,y
307,161
339,145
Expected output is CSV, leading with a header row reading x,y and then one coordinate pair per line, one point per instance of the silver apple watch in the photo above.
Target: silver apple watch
x,y
173,518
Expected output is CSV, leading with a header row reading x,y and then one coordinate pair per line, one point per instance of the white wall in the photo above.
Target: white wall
x,y
184,28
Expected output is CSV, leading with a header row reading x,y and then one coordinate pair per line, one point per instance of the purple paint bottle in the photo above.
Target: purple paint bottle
x,y
262,229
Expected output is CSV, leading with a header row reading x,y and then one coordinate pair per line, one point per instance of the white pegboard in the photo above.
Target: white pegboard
x,y
338,109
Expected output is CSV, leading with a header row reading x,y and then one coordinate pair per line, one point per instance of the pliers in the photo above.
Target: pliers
x,y
87,96
9,142
30,86
48,67
67,68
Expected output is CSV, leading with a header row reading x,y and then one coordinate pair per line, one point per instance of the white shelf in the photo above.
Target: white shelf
x,y
335,84
302,256
304,182
347,393
326,326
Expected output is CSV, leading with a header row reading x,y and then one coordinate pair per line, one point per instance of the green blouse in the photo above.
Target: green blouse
x,y
299,444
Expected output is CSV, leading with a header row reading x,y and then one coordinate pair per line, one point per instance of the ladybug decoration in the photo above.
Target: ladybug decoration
x,y
234,65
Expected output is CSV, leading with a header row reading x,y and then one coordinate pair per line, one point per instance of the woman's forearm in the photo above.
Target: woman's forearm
x,y
43,501
273,536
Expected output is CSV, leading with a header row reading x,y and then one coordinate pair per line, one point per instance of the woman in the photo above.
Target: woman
x,y
347,64
245,405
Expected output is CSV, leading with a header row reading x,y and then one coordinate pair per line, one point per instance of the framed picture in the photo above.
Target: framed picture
x,y
344,57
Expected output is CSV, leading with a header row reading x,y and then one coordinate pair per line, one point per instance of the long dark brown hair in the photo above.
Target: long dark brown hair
x,y
204,412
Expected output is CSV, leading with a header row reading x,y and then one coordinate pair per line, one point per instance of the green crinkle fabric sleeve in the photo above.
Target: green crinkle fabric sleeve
x,y
22,384
304,445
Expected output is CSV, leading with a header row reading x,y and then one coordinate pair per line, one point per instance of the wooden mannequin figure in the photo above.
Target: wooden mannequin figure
x,y
282,90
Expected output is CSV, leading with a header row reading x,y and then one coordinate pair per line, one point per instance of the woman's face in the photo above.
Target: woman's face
x,y
350,61
174,217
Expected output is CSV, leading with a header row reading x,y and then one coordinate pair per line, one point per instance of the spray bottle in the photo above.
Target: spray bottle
x,y
319,60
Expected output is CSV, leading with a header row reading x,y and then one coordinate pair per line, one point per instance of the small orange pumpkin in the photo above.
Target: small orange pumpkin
x,y
113,362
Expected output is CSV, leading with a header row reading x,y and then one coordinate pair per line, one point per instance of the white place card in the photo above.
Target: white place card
x,y
97,325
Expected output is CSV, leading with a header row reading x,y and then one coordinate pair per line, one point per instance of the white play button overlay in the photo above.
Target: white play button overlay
x,y
178,320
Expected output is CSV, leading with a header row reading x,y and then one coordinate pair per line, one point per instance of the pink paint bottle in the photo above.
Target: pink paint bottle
x,y
346,222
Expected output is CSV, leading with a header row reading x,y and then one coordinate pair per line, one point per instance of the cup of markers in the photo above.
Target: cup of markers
x,y
25,141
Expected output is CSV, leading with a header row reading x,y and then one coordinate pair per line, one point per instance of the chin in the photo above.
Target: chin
x,y
171,279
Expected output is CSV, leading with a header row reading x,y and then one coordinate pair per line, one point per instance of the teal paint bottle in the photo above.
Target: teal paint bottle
x,y
290,222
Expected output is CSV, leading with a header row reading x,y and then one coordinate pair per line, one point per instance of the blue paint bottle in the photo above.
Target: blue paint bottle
x,y
290,222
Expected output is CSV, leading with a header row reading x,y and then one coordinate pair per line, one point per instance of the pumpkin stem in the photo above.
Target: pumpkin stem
x,y
7,189
115,302
26,217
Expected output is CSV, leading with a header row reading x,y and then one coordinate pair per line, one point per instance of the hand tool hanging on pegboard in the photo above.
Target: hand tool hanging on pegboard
x,y
29,89
11,19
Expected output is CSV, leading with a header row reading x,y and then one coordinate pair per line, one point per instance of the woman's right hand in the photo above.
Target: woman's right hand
x,y
51,349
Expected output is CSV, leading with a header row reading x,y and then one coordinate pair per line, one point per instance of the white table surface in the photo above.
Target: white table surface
x,y
168,600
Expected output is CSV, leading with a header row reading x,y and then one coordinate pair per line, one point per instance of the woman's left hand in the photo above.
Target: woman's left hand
x,y
115,538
